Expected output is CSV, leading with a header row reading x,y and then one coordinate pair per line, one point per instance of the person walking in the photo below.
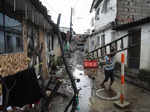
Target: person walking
x,y
108,71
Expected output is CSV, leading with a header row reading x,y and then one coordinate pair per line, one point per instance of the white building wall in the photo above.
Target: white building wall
x,y
117,35
108,37
91,43
106,17
110,16
145,47
101,20
111,35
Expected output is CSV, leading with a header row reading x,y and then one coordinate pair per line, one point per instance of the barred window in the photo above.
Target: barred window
x,y
10,35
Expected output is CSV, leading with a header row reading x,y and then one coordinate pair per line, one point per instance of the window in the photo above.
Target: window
x,y
1,42
14,43
11,42
10,35
12,23
103,40
98,41
19,44
106,6
1,19
92,45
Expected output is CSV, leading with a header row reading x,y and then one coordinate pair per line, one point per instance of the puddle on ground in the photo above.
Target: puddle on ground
x,y
85,85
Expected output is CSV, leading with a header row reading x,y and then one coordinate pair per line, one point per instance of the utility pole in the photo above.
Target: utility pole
x,y
71,25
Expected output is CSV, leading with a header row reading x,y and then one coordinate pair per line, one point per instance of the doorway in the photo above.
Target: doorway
x,y
134,43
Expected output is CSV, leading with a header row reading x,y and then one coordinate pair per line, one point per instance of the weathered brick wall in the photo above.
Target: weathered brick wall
x,y
14,62
132,10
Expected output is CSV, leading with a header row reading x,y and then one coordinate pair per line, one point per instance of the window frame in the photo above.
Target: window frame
x,y
11,31
102,39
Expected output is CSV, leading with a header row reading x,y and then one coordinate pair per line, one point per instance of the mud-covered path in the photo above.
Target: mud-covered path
x,y
85,82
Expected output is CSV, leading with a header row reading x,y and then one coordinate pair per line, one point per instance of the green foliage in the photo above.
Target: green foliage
x,y
59,61
90,57
53,63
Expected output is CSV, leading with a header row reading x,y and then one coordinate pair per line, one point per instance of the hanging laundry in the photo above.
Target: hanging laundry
x,y
26,89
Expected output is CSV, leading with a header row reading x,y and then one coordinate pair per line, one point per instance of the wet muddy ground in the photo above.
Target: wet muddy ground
x,y
89,103
85,83
59,103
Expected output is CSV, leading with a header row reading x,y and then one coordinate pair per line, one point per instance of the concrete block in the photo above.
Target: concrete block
x,y
119,104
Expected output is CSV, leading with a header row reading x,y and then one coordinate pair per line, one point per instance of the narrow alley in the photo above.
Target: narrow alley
x,y
84,84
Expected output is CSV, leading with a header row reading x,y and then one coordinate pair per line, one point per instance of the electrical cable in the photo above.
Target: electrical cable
x,y
74,99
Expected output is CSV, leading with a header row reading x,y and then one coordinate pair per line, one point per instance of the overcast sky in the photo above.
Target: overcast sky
x,y
81,15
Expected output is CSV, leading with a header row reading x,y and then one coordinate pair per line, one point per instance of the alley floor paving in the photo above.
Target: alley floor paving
x,y
84,84
137,97
89,102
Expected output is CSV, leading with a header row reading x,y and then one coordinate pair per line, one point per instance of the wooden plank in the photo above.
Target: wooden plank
x,y
111,42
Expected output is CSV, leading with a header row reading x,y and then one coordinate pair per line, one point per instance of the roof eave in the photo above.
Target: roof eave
x,y
95,4
132,24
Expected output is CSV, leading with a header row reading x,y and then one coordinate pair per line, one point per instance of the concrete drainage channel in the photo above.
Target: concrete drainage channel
x,y
100,94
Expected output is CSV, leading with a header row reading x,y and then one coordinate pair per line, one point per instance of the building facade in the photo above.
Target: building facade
x,y
24,36
114,13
